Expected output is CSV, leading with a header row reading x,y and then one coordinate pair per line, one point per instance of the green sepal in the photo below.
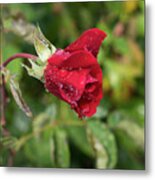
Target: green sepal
x,y
36,70
42,45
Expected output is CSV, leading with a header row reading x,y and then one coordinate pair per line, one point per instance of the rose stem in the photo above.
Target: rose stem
x,y
2,107
18,55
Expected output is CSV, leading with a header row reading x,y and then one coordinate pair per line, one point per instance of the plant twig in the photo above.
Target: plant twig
x,y
18,55
3,101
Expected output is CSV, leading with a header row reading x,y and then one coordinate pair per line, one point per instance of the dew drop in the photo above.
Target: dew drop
x,y
60,85
71,88
63,73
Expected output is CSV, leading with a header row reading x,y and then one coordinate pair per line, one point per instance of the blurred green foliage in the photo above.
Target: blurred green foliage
x,y
55,137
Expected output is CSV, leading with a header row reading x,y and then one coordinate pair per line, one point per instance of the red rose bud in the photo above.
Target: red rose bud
x,y
74,75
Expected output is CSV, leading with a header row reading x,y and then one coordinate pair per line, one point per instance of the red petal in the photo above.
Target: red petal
x,y
58,57
67,85
79,59
88,107
90,40
87,104
75,60
96,72
74,85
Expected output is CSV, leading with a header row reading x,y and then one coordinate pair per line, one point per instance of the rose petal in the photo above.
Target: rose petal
x,y
87,106
75,60
90,40
58,57
68,85
74,85
96,72
79,59
74,74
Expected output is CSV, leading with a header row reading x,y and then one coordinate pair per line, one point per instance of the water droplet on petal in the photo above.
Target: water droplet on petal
x,y
60,85
63,73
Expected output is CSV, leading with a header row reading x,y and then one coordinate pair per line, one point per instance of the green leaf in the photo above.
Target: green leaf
x,y
15,90
8,142
62,149
40,150
100,152
79,137
103,142
43,46
134,131
45,118
129,156
115,117
120,120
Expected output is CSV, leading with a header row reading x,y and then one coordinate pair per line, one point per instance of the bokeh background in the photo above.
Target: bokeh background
x,y
114,137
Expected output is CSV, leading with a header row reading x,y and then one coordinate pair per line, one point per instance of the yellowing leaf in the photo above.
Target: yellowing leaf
x,y
103,143
14,86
